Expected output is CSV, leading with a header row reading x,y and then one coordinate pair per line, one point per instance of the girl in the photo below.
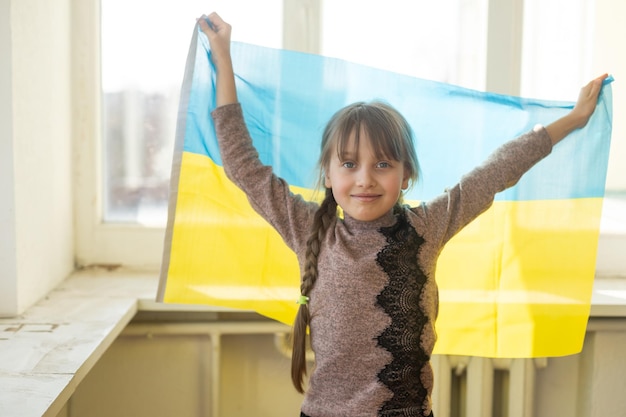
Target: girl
x,y
369,296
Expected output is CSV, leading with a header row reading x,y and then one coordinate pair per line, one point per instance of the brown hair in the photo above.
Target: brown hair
x,y
391,137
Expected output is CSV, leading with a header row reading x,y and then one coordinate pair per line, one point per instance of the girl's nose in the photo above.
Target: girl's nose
x,y
365,178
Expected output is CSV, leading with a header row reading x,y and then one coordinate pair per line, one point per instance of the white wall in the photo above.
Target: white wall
x,y
36,252
7,174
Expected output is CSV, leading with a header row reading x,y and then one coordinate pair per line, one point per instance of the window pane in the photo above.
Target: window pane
x,y
441,40
556,57
144,48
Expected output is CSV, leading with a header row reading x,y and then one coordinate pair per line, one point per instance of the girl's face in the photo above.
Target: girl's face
x,y
365,186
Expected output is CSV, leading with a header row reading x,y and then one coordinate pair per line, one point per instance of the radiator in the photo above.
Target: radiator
x,y
482,387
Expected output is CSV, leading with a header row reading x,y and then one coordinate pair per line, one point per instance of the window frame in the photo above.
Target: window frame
x,y
99,243
116,244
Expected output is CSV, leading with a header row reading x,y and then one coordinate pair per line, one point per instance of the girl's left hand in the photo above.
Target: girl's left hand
x,y
587,100
580,114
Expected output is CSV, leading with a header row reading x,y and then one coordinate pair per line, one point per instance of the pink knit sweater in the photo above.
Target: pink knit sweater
x,y
374,304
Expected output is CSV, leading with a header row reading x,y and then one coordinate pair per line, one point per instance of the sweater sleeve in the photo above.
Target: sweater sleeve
x,y
448,213
268,194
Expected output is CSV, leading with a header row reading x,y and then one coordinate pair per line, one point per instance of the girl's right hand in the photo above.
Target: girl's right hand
x,y
218,33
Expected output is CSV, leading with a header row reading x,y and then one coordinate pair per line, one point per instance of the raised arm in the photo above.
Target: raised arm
x,y
580,114
218,33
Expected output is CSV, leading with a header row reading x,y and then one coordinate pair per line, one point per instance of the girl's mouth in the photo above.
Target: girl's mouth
x,y
365,197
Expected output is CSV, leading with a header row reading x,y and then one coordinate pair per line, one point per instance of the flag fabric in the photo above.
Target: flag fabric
x,y
516,282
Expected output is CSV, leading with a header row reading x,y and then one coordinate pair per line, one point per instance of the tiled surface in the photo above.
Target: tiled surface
x,y
45,352
32,395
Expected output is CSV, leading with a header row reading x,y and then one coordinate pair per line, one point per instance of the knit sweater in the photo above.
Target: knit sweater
x,y
375,301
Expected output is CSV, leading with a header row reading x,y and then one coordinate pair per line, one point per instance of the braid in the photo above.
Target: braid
x,y
324,215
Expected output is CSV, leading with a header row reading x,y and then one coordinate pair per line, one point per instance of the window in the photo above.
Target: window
x,y
133,53
144,45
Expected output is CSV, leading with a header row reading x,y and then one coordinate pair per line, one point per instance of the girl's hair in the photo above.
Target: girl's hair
x,y
391,138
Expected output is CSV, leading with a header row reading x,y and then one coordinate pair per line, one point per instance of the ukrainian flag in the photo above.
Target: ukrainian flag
x,y
516,282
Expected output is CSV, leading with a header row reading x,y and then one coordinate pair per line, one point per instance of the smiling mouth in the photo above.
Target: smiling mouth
x,y
366,197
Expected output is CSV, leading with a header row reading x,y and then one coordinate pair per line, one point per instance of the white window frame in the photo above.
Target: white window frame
x,y
98,242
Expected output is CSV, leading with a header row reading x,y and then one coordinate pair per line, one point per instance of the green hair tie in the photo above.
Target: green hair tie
x,y
302,300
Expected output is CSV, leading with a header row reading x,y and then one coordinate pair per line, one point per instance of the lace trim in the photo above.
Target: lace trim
x,y
400,299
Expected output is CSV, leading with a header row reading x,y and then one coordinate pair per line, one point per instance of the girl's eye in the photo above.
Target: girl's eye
x,y
383,165
348,164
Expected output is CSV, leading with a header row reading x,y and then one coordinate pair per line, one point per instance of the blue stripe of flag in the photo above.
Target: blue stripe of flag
x,y
288,97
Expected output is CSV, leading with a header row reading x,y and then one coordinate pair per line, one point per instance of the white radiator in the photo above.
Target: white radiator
x,y
481,387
